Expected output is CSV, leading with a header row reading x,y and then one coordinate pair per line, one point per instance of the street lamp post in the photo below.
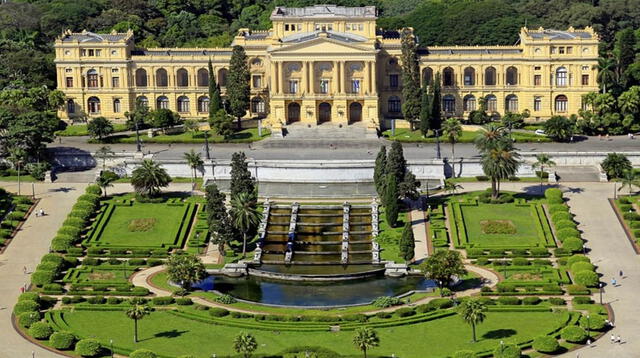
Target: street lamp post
x,y
615,192
600,285
438,144
111,343
588,328
18,164
138,147
206,145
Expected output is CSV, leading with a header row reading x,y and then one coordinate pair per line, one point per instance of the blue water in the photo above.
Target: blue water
x,y
335,293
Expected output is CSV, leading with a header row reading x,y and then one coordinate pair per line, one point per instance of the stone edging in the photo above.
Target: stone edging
x,y
625,227
14,324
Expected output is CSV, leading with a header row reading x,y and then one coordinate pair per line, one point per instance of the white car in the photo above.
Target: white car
x,y
539,132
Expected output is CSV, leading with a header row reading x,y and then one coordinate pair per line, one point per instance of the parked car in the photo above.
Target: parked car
x,y
539,132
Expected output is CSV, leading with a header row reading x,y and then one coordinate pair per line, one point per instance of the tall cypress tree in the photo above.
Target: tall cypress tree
x,y
241,180
380,171
391,200
396,164
238,90
625,50
215,102
425,110
435,120
407,244
220,225
410,76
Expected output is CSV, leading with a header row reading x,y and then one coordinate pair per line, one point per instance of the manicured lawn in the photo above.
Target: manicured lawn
x,y
81,130
244,136
120,230
521,217
406,135
171,335
389,237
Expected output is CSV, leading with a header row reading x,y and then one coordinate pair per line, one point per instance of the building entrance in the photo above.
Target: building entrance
x,y
293,112
324,112
355,112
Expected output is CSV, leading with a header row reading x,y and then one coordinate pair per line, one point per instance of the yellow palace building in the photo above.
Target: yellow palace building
x,y
327,64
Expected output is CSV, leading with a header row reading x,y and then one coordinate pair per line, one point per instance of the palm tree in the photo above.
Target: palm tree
x,y
104,181
451,187
543,160
490,137
149,177
606,71
629,179
245,215
615,164
194,161
137,312
500,162
104,153
245,343
472,312
452,130
365,338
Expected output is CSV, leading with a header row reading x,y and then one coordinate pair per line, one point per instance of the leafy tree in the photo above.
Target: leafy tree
x,y
245,344
435,120
139,115
499,163
245,215
451,187
606,72
149,177
238,90
512,120
410,76
615,164
443,266
629,180
105,180
391,200
241,180
103,153
221,123
194,160
407,242
185,270
136,313
365,338
99,127
625,50
165,118
472,312
559,128
380,171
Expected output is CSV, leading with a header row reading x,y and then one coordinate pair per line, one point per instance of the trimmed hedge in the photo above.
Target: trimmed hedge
x,y
567,233
507,350
26,319
546,344
40,330
586,278
25,306
143,353
577,258
594,323
88,347
464,354
573,334
582,266
29,296
573,244
218,312
62,340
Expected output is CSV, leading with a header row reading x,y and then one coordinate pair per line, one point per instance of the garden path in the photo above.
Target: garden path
x,y
419,227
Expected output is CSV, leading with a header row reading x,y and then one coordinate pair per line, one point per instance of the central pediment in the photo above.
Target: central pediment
x,y
325,46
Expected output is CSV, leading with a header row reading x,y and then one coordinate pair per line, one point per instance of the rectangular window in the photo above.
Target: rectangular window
x,y
537,80
286,27
293,86
561,50
68,70
569,50
116,106
98,52
115,82
537,103
257,81
83,52
92,81
114,70
537,68
585,68
360,27
553,50
393,81
69,82
355,86
91,52
324,86
348,27
585,80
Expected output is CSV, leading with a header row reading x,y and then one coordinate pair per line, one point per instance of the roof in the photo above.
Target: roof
x,y
87,36
560,35
323,11
163,52
340,36
478,51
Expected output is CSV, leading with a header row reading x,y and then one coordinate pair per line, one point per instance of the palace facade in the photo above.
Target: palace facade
x,y
327,63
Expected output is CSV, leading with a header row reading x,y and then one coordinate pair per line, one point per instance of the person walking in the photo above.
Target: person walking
x,y
613,282
613,338
621,274
618,339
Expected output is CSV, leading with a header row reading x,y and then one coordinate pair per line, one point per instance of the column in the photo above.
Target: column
x,y
335,79
343,77
312,85
367,78
374,88
272,78
305,78
280,89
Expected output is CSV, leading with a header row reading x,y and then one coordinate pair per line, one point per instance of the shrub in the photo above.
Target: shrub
x,y
386,301
52,288
62,340
635,224
93,189
166,300
539,251
594,323
29,296
558,208
561,216
441,303
137,262
577,258
74,222
26,319
496,252
90,261
582,300
582,266
72,231
475,252
631,216
560,251
556,301
88,347
154,262
61,243
564,224
508,300
405,312
573,334
218,312
567,233
25,306
95,251
142,353
553,193
82,214
507,350
225,299
384,315
96,300
504,287
49,266
114,300
359,317
577,290
520,261
40,330
546,344
573,244
57,259
586,278
184,301
482,261
464,354
531,301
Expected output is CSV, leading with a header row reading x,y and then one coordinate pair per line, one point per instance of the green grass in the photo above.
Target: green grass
x,y
75,130
171,335
389,237
488,181
164,231
23,178
406,135
521,216
243,136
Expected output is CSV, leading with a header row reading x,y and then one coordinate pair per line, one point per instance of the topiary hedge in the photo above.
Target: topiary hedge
x,y
582,266
25,306
61,243
93,189
546,344
507,351
218,312
40,330
26,319
565,224
29,296
464,354
594,323
386,301
573,334
88,347
577,258
566,233
561,216
558,208
142,353
586,278
62,340
573,244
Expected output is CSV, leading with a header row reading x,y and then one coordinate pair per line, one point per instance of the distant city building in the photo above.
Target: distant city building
x,y
327,63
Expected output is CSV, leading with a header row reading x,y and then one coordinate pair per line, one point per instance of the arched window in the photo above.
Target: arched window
x,y
512,76
561,76
162,79
449,103
203,104
469,103
71,106
257,105
141,77
162,102
116,106
93,105
203,78
561,103
393,105
469,76
222,77
490,76
92,79
448,77
182,78
492,103
511,103
427,76
142,101
183,104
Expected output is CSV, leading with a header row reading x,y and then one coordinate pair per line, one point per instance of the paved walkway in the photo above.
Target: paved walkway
x,y
419,226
